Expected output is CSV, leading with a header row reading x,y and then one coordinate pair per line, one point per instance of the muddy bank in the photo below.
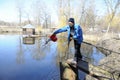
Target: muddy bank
x,y
111,44
112,60
110,41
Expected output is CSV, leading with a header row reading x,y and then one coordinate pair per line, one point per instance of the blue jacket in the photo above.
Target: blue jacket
x,y
78,34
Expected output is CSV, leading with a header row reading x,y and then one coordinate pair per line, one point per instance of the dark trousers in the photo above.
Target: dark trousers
x,y
77,55
77,47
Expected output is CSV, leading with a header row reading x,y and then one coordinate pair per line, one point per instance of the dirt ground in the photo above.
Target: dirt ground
x,y
111,44
111,62
109,41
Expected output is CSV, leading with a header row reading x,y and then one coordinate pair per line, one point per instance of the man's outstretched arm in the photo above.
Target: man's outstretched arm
x,y
64,29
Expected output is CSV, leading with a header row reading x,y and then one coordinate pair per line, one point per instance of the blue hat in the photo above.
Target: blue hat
x,y
71,20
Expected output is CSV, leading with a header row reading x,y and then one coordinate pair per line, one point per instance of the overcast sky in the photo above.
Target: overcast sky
x,y
8,10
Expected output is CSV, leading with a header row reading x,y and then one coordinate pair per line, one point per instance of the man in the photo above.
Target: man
x,y
74,32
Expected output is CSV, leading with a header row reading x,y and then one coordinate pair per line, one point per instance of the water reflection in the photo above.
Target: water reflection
x,y
90,53
33,46
28,40
28,45
87,51
97,56
27,61
37,53
65,51
34,61
20,53
62,49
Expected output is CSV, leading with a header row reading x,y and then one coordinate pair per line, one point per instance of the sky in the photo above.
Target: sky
x,y
9,11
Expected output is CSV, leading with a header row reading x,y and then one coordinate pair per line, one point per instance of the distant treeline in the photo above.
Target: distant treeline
x,y
12,24
3,23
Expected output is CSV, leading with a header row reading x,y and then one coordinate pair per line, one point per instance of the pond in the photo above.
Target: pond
x,y
29,59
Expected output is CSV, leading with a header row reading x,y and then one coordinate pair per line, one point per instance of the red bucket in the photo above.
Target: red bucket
x,y
53,38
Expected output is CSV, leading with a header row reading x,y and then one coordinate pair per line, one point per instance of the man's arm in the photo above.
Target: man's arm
x,y
64,29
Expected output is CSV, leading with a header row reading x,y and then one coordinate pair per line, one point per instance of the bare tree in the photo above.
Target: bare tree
x,y
28,18
37,12
46,16
112,7
77,9
86,14
80,12
41,13
67,9
90,15
82,20
64,11
20,7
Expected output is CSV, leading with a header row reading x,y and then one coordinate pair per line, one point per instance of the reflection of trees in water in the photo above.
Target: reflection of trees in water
x,y
62,48
20,53
64,52
37,52
20,57
86,50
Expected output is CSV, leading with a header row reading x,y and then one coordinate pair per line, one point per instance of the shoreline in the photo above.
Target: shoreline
x,y
102,41
108,41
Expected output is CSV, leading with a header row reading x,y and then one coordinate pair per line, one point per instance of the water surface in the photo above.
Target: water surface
x,y
21,60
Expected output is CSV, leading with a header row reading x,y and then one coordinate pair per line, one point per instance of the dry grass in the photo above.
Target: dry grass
x,y
91,38
96,38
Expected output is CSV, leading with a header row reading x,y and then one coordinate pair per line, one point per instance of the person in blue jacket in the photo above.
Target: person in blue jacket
x,y
74,32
